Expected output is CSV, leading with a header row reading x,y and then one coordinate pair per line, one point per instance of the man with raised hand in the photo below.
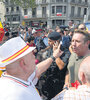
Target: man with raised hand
x,y
17,82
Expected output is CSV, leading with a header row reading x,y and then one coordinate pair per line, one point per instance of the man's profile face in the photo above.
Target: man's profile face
x,y
78,44
51,42
30,61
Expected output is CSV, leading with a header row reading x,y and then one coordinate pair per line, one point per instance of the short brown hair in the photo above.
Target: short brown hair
x,y
83,32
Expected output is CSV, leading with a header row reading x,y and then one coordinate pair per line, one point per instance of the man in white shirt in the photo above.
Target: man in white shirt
x,y
17,82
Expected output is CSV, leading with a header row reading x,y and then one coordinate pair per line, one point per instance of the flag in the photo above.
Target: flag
x,y
1,31
76,84
87,26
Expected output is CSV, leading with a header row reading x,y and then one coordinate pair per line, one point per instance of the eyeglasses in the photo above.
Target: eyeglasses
x,y
82,28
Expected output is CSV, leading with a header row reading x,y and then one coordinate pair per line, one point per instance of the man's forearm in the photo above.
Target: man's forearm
x,y
67,78
60,63
43,66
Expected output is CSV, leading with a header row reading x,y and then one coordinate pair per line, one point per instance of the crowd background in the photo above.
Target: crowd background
x,y
53,80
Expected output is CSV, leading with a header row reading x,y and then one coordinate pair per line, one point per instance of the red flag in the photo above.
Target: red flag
x,y
76,84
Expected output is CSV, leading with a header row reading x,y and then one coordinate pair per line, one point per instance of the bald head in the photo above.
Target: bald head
x,y
85,69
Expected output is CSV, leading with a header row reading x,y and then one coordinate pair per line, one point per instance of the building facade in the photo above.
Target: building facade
x,y
49,13
2,12
13,14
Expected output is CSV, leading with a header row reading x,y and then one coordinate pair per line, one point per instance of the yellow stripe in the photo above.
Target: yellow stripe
x,y
1,25
0,73
15,55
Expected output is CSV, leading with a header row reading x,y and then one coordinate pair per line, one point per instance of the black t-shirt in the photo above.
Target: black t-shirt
x,y
51,82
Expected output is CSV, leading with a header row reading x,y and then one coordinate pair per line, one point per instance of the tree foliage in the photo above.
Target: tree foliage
x,y
23,3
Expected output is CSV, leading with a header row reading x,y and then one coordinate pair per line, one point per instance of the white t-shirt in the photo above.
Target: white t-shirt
x,y
12,88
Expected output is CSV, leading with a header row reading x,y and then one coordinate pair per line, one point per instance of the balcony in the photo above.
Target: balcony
x,y
79,3
73,2
82,3
34,16
76,16
13,13
9,4
59,15
44,2
44,15
59,1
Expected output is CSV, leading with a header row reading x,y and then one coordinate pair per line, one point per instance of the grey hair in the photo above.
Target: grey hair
x,y
85,68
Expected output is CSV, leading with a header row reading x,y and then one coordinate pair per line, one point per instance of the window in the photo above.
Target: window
x,y
8,19
59,0
17,8
53,22
25,11
58,22
53,1
43,1
7,10
58,9
6,1
16,18
72,0
34,12
72,10
63,22
43,11
80,1
53,9
79,11
65,0
85,11
86,1
12,9
64,9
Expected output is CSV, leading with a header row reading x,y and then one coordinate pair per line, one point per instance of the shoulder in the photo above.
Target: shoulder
x,y
11,91
78,94
73,56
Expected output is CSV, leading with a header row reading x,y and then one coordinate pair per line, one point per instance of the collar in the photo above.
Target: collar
x,y
84,88
17,80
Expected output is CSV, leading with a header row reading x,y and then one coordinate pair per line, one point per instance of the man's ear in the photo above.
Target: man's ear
x,y
22,64
88,43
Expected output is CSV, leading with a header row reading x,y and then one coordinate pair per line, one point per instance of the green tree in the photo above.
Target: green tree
x,y
23,3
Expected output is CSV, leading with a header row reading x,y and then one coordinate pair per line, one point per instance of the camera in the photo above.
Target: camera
x,y
61,47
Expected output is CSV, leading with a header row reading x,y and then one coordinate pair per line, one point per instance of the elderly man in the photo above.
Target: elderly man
x,y
17,83
83,91
80,43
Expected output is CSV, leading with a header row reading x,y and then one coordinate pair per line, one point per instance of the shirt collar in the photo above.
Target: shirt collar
x,y
84,88
17,80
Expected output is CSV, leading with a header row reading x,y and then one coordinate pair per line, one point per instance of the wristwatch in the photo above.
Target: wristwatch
x,y
53,58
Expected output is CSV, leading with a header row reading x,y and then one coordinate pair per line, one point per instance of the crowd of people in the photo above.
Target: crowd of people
x,y
47,61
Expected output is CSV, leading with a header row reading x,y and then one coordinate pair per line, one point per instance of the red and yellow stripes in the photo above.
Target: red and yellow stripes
x,y
2,68
15,80
16,54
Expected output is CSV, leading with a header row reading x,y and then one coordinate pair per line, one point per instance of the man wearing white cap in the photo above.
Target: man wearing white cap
x,y
17,83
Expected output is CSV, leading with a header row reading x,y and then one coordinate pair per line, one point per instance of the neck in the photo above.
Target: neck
x,y
84,53
18,75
